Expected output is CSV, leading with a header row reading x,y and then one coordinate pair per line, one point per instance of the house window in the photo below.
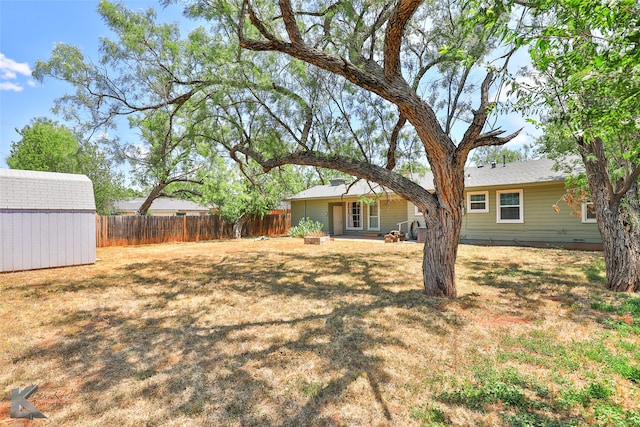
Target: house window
x,y
588,212
374,216
418,211
478,202
354,216
509,206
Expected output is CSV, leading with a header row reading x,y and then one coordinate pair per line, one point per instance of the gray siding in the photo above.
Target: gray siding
x,y
392,211
541,222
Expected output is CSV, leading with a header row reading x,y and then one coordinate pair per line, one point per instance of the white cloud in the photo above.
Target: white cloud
x,y
10,66
10,86
9,70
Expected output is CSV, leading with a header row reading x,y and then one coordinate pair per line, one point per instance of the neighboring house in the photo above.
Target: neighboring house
x,y
505,204
161,207
47,220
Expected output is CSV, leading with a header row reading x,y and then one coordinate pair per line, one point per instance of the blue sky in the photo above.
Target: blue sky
x,y
29,29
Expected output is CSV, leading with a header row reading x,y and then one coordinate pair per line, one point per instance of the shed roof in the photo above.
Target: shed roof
x,y
25,189
160,205
515,173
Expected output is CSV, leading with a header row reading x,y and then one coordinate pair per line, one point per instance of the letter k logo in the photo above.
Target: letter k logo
x,y
21,407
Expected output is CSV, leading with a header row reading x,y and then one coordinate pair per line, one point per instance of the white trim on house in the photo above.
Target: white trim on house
x,y
510,206
354,216
476,203
375,205
588,215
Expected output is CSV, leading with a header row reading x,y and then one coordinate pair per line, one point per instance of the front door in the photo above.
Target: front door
x,y
338,221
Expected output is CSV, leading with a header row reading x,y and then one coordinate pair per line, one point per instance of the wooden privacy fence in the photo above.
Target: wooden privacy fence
x,y
123,230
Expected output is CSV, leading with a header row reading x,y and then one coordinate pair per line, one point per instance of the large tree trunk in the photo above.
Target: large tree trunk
x,y
442,210
440,253
620,230
621,244
618,217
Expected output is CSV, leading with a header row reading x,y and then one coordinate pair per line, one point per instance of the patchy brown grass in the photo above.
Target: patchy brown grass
x,y
274,332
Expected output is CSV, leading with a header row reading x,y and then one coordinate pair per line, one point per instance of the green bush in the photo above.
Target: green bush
x,y
306,227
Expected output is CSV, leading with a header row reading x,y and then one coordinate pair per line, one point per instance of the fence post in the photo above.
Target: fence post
x,y
184,228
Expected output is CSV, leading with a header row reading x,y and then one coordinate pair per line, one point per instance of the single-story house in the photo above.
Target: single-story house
x,y
161,207
47,220
505,204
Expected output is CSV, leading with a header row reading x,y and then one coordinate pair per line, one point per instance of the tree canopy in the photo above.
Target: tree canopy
x,y
586,57
415,82
48,146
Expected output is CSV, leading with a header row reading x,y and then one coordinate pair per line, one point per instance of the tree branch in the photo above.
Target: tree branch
x,y
394,34
393,143
400,185
290,24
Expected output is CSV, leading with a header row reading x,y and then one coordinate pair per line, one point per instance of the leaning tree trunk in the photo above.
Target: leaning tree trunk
x,y
237,227
443,221
154,194
618,221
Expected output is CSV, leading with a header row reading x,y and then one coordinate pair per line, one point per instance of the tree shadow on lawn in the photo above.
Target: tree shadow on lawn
x,y
528,285
285,365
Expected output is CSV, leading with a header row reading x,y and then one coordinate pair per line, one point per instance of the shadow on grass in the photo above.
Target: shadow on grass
x,y
257,338
531,284
178,354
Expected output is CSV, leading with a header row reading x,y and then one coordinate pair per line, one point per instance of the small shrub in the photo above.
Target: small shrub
x,y
307,227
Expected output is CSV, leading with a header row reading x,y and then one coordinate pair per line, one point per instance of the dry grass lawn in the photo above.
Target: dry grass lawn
x,y
274,332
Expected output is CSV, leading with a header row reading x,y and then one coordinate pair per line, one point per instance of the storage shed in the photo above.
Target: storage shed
x,y
47,219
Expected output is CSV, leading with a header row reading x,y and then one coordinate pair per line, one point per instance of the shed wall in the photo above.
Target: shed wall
x,y
47,220
43,239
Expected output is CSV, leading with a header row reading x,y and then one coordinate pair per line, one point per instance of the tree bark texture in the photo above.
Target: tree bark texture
x,y
440,252
618,218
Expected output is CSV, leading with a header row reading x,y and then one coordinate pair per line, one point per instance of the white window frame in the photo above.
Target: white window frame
x,y
520,206
369,216
486,202
349,221
417,211
584,213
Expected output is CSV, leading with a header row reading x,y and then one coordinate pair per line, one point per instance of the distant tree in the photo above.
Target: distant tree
x,y
165,164
243,194
49,146
487,155
45,146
